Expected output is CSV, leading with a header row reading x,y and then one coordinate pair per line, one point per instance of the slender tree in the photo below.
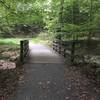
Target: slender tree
x,y
61,12
90,19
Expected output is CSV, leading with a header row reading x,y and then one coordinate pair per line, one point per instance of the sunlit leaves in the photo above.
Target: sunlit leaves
x,y
14,12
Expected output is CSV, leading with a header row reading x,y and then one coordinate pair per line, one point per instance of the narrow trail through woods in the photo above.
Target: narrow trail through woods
x,y
47,77
44,76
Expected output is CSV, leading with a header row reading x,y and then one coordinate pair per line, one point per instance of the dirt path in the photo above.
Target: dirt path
x,y
47,77
44,76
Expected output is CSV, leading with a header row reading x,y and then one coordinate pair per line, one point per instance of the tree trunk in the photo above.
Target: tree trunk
x,y
61,11
91,11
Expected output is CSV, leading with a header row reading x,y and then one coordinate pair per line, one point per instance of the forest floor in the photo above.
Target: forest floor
x,y
9,52
83,86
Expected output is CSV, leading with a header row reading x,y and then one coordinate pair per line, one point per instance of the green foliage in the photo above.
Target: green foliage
x,y
26,12
66,15
78,16
70,28
11,41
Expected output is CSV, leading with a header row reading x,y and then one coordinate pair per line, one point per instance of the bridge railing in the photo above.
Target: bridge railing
x,y
24,50
74,48
65,48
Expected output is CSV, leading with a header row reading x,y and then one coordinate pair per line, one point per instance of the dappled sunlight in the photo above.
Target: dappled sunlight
x,y
41,50
43,54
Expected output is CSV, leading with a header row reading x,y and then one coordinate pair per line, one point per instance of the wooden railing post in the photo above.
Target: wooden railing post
x,y
72,51
64,52
21,51
24,50
53,45
59,46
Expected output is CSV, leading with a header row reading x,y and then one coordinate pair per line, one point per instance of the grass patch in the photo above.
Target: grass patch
x,y
16,41
8,46
42,38
38,41
9,41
